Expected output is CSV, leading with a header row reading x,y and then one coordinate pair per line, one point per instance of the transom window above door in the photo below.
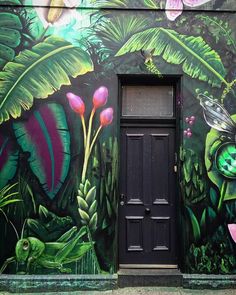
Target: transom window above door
x,y
148,101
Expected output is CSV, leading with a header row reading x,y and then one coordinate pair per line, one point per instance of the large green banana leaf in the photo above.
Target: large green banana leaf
x,y
38,73
197,58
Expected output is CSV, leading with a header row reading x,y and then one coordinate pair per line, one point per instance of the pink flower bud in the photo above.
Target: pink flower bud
x,y
106,117
187,119
232,230
192,118
100,97
76,103
189,134
185,132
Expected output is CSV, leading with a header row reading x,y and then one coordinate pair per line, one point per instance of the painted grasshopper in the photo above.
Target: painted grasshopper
x,y
35,253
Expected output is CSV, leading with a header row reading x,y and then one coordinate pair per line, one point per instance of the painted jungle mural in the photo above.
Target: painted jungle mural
x,y
59,128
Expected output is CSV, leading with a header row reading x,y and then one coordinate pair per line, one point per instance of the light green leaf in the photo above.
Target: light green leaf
x,y
38,73
93,208
81,187
93,222
86,186
91,195
197,58
82,204
84,215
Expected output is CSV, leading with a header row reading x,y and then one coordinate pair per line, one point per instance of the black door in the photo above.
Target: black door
x,y
147,217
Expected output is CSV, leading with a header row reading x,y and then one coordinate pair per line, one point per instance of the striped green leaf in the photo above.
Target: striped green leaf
x,y
38,73
197,58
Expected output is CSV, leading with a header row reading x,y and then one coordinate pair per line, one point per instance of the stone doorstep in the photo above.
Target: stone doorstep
x,y
149,277
48,283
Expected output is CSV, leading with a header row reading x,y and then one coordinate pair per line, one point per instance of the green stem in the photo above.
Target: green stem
x,y
93,249
222,195
94,139
87,147
84,131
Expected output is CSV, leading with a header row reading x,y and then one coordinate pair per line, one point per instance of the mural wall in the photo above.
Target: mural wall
x,y
59,127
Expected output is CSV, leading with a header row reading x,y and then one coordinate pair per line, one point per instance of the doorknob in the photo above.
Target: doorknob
x,y
147,210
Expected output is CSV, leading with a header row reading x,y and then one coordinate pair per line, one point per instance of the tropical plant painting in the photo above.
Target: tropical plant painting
x,y
59,127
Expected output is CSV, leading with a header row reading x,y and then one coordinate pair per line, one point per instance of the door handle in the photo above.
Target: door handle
x,y
147,210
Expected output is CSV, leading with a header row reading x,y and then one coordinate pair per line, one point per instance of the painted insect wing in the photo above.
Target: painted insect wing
x,y
226,160
216,116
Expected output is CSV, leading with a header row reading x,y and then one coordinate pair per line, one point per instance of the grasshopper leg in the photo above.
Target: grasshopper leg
x,y
69,246
5,264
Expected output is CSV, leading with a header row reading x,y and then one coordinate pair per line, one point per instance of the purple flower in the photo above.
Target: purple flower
x,y
100,97
106,117
174,8
76,103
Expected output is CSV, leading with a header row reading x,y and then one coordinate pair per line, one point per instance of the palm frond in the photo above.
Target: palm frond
x,y
197,58
115,31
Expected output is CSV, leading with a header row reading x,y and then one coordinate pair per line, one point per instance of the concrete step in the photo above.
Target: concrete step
x,y
149,277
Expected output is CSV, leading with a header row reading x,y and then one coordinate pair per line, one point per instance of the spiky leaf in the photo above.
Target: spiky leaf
x,y
38,73
197,58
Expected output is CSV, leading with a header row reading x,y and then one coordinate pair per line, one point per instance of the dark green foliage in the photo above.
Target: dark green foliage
x,y
219,29
208,260
193,182
214,256
48,226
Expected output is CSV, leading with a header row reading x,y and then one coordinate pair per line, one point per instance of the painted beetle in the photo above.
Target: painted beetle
x,y
68,248
217,117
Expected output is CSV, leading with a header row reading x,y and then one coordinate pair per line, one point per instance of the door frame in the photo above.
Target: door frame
x,y
153,80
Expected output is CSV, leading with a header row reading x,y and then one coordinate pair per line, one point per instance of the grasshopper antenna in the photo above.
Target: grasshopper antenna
x,y
12,225
23,228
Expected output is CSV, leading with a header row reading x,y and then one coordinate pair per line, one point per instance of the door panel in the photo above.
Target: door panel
x,y
147,205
